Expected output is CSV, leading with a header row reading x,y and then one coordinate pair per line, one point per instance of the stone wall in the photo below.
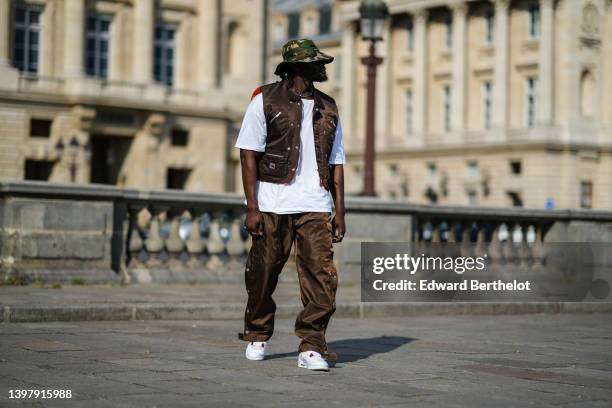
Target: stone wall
x,y
60,232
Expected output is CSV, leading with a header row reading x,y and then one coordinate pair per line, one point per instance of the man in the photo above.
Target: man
x,y
292,159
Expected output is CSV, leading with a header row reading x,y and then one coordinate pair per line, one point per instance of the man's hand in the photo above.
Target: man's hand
x,y
254,222
338,228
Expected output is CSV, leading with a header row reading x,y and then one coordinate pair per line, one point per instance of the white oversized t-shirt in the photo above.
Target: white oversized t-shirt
x,y
303,193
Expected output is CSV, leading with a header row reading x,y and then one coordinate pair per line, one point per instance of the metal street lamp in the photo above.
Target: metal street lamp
x,y
373,16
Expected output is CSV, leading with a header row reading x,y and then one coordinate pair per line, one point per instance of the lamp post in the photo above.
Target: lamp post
x,y
373,16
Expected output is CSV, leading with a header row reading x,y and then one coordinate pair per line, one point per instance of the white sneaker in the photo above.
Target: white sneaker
x,y
312,361
256,350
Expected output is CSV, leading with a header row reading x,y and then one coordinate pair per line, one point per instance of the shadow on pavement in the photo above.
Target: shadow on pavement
x,y
350,350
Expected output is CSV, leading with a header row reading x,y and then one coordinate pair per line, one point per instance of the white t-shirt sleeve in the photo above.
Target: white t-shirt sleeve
x,y
252,134
337,154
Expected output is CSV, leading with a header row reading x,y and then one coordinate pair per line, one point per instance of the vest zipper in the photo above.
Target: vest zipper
x,y
277,115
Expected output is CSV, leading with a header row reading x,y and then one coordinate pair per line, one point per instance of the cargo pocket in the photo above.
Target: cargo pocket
x,y
275,165
328,261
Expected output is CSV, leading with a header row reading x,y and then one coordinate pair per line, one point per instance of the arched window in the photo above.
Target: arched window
x,y
587,94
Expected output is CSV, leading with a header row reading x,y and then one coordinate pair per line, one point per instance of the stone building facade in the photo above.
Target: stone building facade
x,y
494,103
134,93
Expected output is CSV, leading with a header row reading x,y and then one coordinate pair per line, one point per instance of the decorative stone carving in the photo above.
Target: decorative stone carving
x,y
590,19
83,118
155,123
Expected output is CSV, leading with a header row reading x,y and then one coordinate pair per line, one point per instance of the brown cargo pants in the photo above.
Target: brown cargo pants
x,y
318,278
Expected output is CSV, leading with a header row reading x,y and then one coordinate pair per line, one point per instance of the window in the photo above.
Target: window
x,y
179,137
309,28
534,20
516,167
472,197
393,169
432,170
163,54
449,31
408,110
490,30
177,178
26,37
586,194
98,37
487,104
338,68
472,169
446,107
531,101
410,36
515,198
325,19
587,95
279,31
38,170
294,25
40,128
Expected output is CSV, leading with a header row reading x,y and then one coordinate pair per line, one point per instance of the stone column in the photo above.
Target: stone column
x,y
348,82
46,54
116,59
207,42
74,34
420,74
143,42
460,11
500,79
545,64
5,24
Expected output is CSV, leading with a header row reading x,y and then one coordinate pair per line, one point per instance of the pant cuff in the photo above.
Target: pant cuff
x,y
310,347
253,337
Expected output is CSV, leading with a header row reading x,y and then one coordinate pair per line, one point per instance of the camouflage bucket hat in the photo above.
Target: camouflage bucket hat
x,y
303,50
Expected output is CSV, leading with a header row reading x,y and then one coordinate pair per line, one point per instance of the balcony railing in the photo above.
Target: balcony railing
x,y
99,233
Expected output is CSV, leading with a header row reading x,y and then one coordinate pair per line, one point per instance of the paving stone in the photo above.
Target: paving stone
x,y
450,361
46,345
151,364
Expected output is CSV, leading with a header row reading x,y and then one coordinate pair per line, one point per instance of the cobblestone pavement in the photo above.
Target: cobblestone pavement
x,y
459,361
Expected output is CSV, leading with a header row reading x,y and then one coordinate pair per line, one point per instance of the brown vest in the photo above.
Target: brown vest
x,y
283,112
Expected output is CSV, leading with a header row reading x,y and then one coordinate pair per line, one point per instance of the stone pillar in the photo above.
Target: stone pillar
x,y
500,80
420,74
5,24
46,50
74,34
460,11
143,42
206,43
116,59
545,64
348,82
183,54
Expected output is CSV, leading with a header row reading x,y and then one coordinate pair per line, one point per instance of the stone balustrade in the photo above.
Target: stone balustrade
x,y
59,232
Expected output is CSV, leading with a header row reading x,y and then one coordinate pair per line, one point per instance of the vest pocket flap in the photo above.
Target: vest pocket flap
x,y
275,164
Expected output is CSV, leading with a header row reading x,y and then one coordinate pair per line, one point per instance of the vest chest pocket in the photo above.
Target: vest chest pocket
x,y
275,165
278,123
